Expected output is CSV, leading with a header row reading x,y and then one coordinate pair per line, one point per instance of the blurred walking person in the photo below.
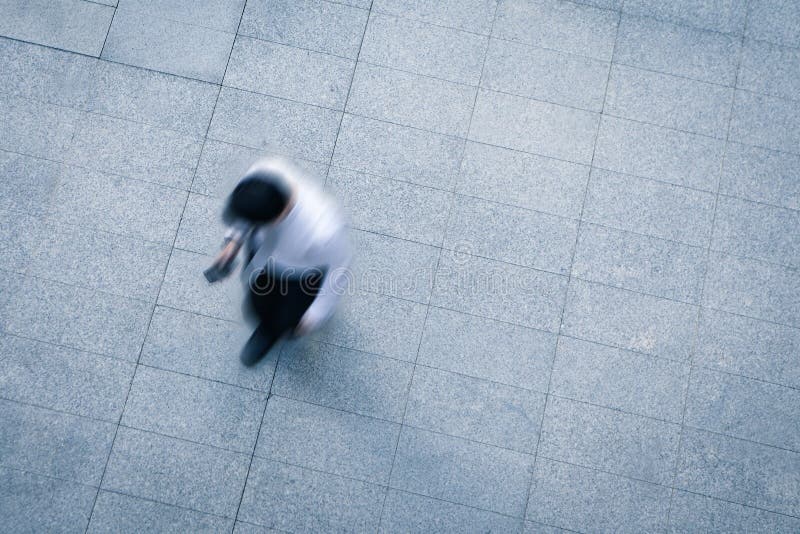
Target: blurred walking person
x,y
296,252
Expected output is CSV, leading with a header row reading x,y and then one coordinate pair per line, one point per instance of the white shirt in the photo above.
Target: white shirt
x,y
311,235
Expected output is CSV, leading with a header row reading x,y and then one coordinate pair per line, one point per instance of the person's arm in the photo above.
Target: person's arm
x,y
234,238
337,261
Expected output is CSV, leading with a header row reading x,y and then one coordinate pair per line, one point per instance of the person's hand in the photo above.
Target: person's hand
x,y
305,326
309,322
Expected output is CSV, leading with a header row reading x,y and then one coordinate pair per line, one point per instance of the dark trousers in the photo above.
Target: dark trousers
x,y
280,304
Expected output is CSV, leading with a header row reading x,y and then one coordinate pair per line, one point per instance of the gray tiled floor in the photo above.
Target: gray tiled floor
x,y
588,210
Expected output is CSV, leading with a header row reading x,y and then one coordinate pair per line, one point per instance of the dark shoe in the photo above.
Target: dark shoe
x,y
257,346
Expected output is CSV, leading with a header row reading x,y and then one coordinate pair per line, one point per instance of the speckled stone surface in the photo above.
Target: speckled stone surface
x,y
574,301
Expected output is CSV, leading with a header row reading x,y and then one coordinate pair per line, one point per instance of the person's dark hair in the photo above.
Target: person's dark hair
x,y
258,197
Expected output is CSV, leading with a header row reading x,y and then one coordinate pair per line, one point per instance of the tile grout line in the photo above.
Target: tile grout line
x,y
182,507
268,395
639,354
498,38
108,32
640,292
397,69
347,96
439,369
152,311
265,393
423,186
699,315
569,274
461,311
435,271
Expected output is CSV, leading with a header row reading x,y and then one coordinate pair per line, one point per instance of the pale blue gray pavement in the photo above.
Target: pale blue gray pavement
x,y
576,296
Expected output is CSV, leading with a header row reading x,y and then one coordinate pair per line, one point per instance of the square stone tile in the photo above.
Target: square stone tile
x,y
54,444
496,290
176,472
748,347
487,349
744,408
274,125
399,152
532,126
766,121
753,288
564,26
328,440
515,235
68,24
97,260
470,15
291,498
63,379
690,511
629,320
757,231
149,39
761,175
343,379
462,472
724,16
115,204
185,288
775,21
639,263
28,183
37,129
423,48
524,180
651,208
76,317
204,347
393,267
317,25
45,74
770,69
287,72
662,154
619,379
34,503
194,409
474,409
378,324
544,74
609,440
122,513
136,150
220,15
739,471
664,47
665,100
150,97
391,207
411,100
583,499
408,512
